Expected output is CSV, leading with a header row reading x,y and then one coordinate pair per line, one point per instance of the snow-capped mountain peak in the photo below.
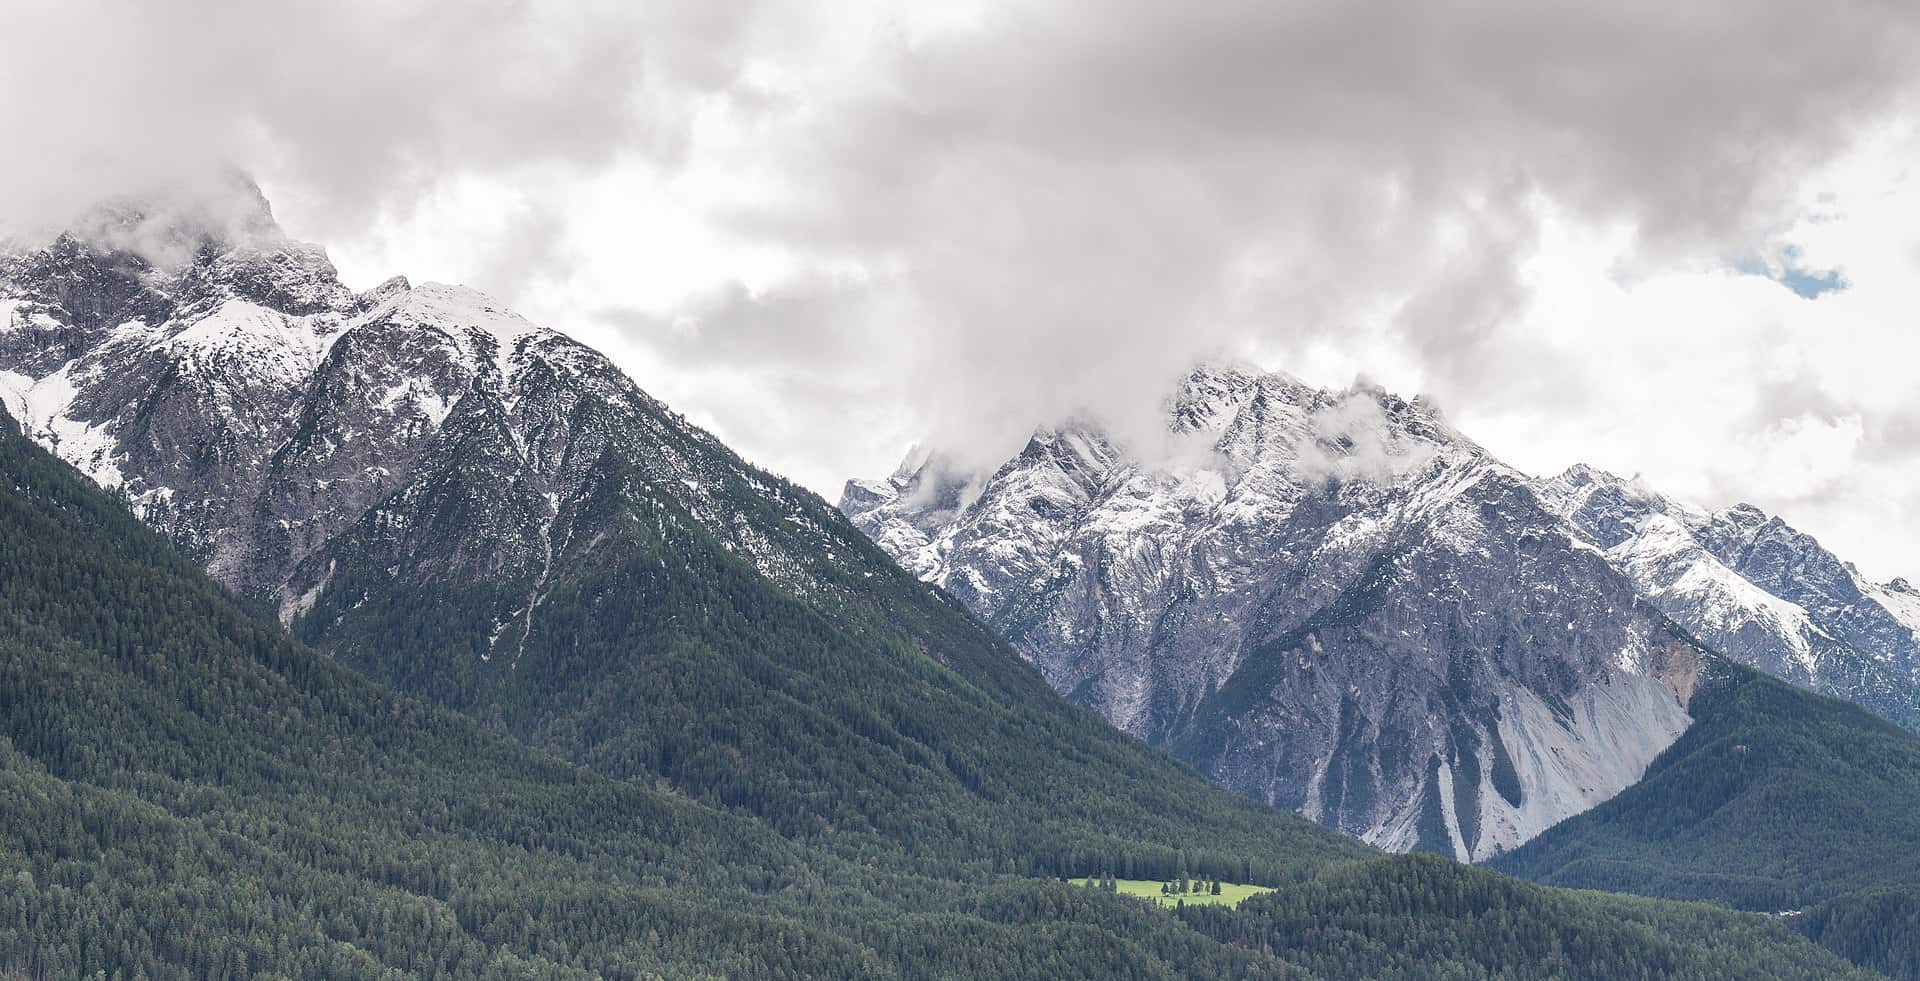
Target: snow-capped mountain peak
x,y
1331,600
291,431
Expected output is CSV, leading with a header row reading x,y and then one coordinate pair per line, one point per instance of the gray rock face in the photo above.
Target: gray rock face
x,y
1331,601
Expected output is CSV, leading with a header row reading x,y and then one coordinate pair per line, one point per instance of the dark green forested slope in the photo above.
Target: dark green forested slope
x,y
1775,799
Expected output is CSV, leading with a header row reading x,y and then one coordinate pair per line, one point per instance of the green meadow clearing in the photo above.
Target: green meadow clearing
x,y
1231,893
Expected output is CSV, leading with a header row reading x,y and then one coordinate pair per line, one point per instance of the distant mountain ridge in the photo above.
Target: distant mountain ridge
x,y
1750,585
1336,602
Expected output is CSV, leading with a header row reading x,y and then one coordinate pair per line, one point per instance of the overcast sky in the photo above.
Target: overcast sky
x,y
1673,239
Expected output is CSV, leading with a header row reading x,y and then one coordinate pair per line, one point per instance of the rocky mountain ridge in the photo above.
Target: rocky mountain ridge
x,y
1329,600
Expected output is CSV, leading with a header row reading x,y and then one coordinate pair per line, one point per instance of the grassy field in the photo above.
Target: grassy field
x,y
1231,893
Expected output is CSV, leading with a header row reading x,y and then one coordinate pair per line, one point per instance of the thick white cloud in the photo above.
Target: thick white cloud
x,y
357,105
828,233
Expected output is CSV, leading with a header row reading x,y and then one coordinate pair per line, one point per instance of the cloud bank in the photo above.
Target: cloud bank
x,y
829,233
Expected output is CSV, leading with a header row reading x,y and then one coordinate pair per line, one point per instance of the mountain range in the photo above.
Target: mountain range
x,y
704,727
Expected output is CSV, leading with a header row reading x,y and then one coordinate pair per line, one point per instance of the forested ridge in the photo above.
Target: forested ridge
x,y
186,793
1775,799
